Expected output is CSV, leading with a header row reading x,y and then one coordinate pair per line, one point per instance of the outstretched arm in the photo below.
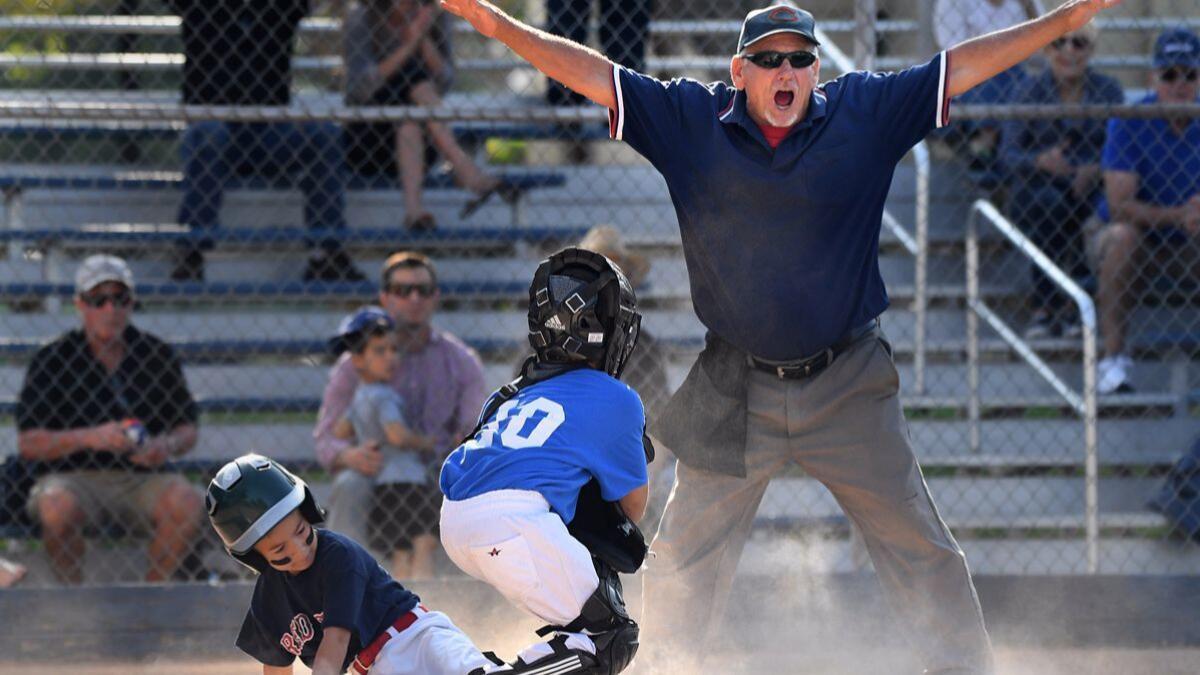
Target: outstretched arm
x,y
977,60
579,68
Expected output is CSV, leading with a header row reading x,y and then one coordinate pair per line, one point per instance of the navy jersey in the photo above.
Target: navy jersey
x,y
552,438
781,244
344,588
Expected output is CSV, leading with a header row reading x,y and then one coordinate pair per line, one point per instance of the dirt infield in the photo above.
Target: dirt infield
x,y
1009,661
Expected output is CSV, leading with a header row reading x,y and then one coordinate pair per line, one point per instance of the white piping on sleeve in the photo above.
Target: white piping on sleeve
x,y
616,118
942,113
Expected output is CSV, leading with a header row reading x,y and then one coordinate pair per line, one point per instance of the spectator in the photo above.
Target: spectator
x,y
1151,209
393,58
403,512
956,21
240,53
81,394
11,573
624,26
1055,170
440,380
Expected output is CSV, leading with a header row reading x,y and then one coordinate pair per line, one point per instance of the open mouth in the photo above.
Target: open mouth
x,y
784,99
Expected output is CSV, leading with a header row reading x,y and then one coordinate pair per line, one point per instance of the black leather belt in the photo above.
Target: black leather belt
x,y
798,369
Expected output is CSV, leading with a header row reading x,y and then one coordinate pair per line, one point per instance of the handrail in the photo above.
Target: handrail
x,y
1083,403
918,246
170,61
169,24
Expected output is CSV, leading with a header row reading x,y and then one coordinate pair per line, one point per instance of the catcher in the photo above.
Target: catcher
x,y
539,499
320,596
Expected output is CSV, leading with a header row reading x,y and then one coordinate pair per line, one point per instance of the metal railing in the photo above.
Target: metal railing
x,y
169,25
1083,403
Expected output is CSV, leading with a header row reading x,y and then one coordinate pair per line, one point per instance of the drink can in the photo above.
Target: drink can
x,y
135,432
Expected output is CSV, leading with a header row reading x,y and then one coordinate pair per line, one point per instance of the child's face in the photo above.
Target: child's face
x,y
378,359
290,546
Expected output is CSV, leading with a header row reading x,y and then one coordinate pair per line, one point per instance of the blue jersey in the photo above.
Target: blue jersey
x,y
344,588
552,438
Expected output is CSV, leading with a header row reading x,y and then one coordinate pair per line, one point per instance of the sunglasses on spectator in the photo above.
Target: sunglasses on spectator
x,y
404,290
772,60
1079,42
1172,74
121,299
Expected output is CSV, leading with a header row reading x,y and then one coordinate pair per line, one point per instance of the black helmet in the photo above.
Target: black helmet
x,y
251,495
582,309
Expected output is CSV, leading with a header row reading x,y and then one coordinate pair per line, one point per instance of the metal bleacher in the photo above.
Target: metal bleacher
x,y
252,338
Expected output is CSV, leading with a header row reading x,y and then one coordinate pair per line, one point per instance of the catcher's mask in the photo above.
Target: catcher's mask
x,y
582,309
249,496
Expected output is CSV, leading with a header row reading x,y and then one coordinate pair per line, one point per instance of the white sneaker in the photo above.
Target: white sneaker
x,y
1112,375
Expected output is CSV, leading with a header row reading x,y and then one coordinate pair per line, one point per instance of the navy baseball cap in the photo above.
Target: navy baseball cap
x,y
1177,47
776,19
368,320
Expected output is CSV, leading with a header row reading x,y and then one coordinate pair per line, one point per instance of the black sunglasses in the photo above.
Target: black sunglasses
x,y
772,60
403,290
120,299
1172,74
1079,42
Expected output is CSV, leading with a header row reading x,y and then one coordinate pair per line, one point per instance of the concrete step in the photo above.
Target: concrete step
x,y
1002,386
798,557
939,444
1027,503
644,209
316,318
1009,384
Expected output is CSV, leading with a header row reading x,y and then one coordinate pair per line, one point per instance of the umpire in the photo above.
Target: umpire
x,y
779,187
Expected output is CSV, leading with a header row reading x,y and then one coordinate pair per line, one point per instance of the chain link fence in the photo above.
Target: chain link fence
x,y
255,164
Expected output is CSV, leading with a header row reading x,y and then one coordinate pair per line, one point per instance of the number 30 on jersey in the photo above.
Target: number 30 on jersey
x,y
511,421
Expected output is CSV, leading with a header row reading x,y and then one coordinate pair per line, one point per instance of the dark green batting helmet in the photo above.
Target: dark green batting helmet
x,y
248,497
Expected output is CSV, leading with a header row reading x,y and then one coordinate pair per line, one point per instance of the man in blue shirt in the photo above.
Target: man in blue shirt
x,y
779,187
1152,201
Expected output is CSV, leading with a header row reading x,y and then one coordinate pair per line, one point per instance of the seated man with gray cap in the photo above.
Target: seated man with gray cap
x,y
102,408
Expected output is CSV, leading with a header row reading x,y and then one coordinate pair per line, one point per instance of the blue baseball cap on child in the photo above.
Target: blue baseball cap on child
x,y
1177,47
367,320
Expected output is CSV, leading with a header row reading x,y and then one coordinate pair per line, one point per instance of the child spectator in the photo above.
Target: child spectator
x,y
404,517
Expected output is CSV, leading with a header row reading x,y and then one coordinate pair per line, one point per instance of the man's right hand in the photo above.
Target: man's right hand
x,y
479,13
365,459
109,437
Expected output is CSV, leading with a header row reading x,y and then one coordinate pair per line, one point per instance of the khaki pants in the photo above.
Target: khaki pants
x,y
126,497
845,428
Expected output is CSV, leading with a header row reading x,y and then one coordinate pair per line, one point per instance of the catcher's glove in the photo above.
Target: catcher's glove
x,y
606,531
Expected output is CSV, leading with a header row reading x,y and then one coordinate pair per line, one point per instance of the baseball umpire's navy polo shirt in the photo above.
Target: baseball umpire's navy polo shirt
x,y
782,246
